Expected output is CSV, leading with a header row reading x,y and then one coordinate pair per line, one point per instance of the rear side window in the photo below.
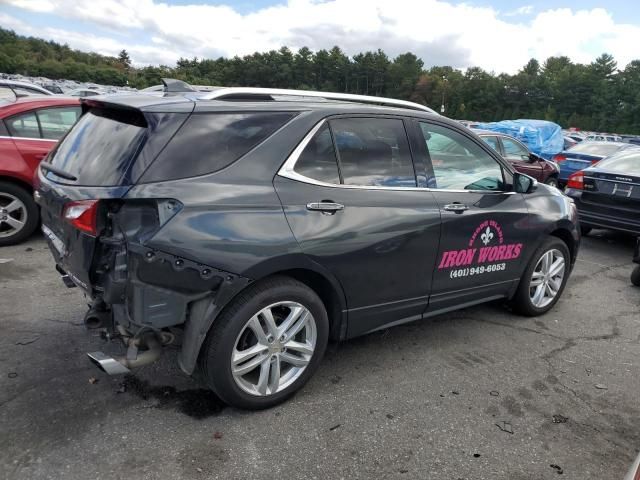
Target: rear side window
x,y
373,152
23,125
54,122
492,142
100,148
318,160
208,142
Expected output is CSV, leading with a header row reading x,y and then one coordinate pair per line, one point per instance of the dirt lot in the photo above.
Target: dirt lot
x,y
476,394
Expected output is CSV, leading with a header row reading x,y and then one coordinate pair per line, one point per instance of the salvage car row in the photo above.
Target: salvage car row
x,y
260,228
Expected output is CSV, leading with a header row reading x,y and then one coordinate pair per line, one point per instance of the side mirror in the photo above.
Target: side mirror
x,y
524,183
533,157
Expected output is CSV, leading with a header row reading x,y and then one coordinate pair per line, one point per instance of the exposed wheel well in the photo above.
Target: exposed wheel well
x,y
327,294
16,182
566,237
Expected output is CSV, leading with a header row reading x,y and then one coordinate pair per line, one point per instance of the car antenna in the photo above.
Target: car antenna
x,y
172,85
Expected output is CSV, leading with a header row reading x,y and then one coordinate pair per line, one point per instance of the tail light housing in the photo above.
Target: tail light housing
x,y
576,180
559,158
82,215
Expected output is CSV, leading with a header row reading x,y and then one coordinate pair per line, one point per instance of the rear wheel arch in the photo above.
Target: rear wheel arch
x,y
17,182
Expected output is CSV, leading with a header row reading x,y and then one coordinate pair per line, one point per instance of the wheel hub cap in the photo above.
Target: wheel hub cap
x,y
547,278
273,348
13,215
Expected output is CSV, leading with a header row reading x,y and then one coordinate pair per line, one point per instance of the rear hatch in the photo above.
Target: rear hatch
x,y
90,171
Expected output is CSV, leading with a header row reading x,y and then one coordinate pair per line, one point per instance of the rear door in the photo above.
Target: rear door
x,y
485,229
518,155
27,137
352,200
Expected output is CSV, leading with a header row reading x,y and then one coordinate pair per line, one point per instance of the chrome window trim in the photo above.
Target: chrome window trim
x,y
288,171
29,138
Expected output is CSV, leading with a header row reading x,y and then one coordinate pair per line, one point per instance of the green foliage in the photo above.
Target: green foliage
x,y
597,96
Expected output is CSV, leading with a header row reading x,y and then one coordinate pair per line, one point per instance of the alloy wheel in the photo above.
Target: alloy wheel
x,y
13,215
273,348
547,278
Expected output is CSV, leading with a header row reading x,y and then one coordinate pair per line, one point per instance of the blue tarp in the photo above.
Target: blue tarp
x,y
542,137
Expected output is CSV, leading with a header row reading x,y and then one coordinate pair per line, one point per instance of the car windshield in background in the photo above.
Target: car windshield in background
x,y
626,162
596,148
99,150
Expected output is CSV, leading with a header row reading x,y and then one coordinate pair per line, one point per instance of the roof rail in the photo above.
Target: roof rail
x,y
248,93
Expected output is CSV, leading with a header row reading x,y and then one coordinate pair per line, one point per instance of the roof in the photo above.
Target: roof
x,y
17,84
259,98
23,104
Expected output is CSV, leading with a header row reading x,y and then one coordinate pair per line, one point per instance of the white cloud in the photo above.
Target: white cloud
x,y
439,32
524,10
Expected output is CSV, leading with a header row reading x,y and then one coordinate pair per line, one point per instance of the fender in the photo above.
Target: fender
x,y
203,312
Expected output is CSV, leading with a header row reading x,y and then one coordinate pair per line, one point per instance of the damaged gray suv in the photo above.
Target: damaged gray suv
x,y
251,226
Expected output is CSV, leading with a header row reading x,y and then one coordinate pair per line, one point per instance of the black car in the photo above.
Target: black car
x,y
255,225
608,194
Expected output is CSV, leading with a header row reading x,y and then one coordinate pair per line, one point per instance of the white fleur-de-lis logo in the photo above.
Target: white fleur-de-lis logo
x,y
486,236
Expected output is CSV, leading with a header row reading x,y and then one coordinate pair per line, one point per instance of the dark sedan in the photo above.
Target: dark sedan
x,y
608,194
584,155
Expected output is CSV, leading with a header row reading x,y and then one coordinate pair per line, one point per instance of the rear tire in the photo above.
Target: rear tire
x,y
542,283
278,325
635,276
19,214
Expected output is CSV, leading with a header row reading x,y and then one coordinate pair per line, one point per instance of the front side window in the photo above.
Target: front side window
x,y
23,125
373,152
318,160
458,162
54,122
514,150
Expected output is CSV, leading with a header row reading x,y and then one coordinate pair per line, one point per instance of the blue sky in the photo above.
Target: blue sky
x,y
498,35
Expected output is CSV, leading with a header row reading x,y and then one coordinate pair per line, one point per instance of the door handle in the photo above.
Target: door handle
x,y
327,208
456,207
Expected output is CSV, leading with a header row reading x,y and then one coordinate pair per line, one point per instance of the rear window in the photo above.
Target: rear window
x,y
100,148
595,148
208,142
624,163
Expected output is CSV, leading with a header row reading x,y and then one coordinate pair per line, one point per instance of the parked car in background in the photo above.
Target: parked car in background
x,y
53,88
601,137
260,227
575,136
21,89
85,92
608,193
521,158
569,142
29,128
631,139
584,155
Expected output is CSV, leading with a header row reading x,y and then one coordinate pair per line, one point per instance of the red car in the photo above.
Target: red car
x,y
29,128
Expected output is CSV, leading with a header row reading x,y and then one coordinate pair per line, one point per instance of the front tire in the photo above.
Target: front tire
x,y
552,182
19,215
544,279
266,344
635,276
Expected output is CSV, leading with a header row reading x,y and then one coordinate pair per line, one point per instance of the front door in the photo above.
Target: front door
x,y
352,202
484,222
518,155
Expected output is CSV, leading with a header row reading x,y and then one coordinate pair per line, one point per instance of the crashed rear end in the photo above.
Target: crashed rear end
x,y
99,236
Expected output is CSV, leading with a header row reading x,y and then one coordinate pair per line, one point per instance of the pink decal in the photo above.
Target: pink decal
x,y
489,238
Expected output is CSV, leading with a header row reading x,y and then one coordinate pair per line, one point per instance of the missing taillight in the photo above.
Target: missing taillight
x,y
82,215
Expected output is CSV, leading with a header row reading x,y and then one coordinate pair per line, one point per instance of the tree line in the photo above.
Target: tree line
x,y
596,96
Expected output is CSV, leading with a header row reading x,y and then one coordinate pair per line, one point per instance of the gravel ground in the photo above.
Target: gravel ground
x,y
475,394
